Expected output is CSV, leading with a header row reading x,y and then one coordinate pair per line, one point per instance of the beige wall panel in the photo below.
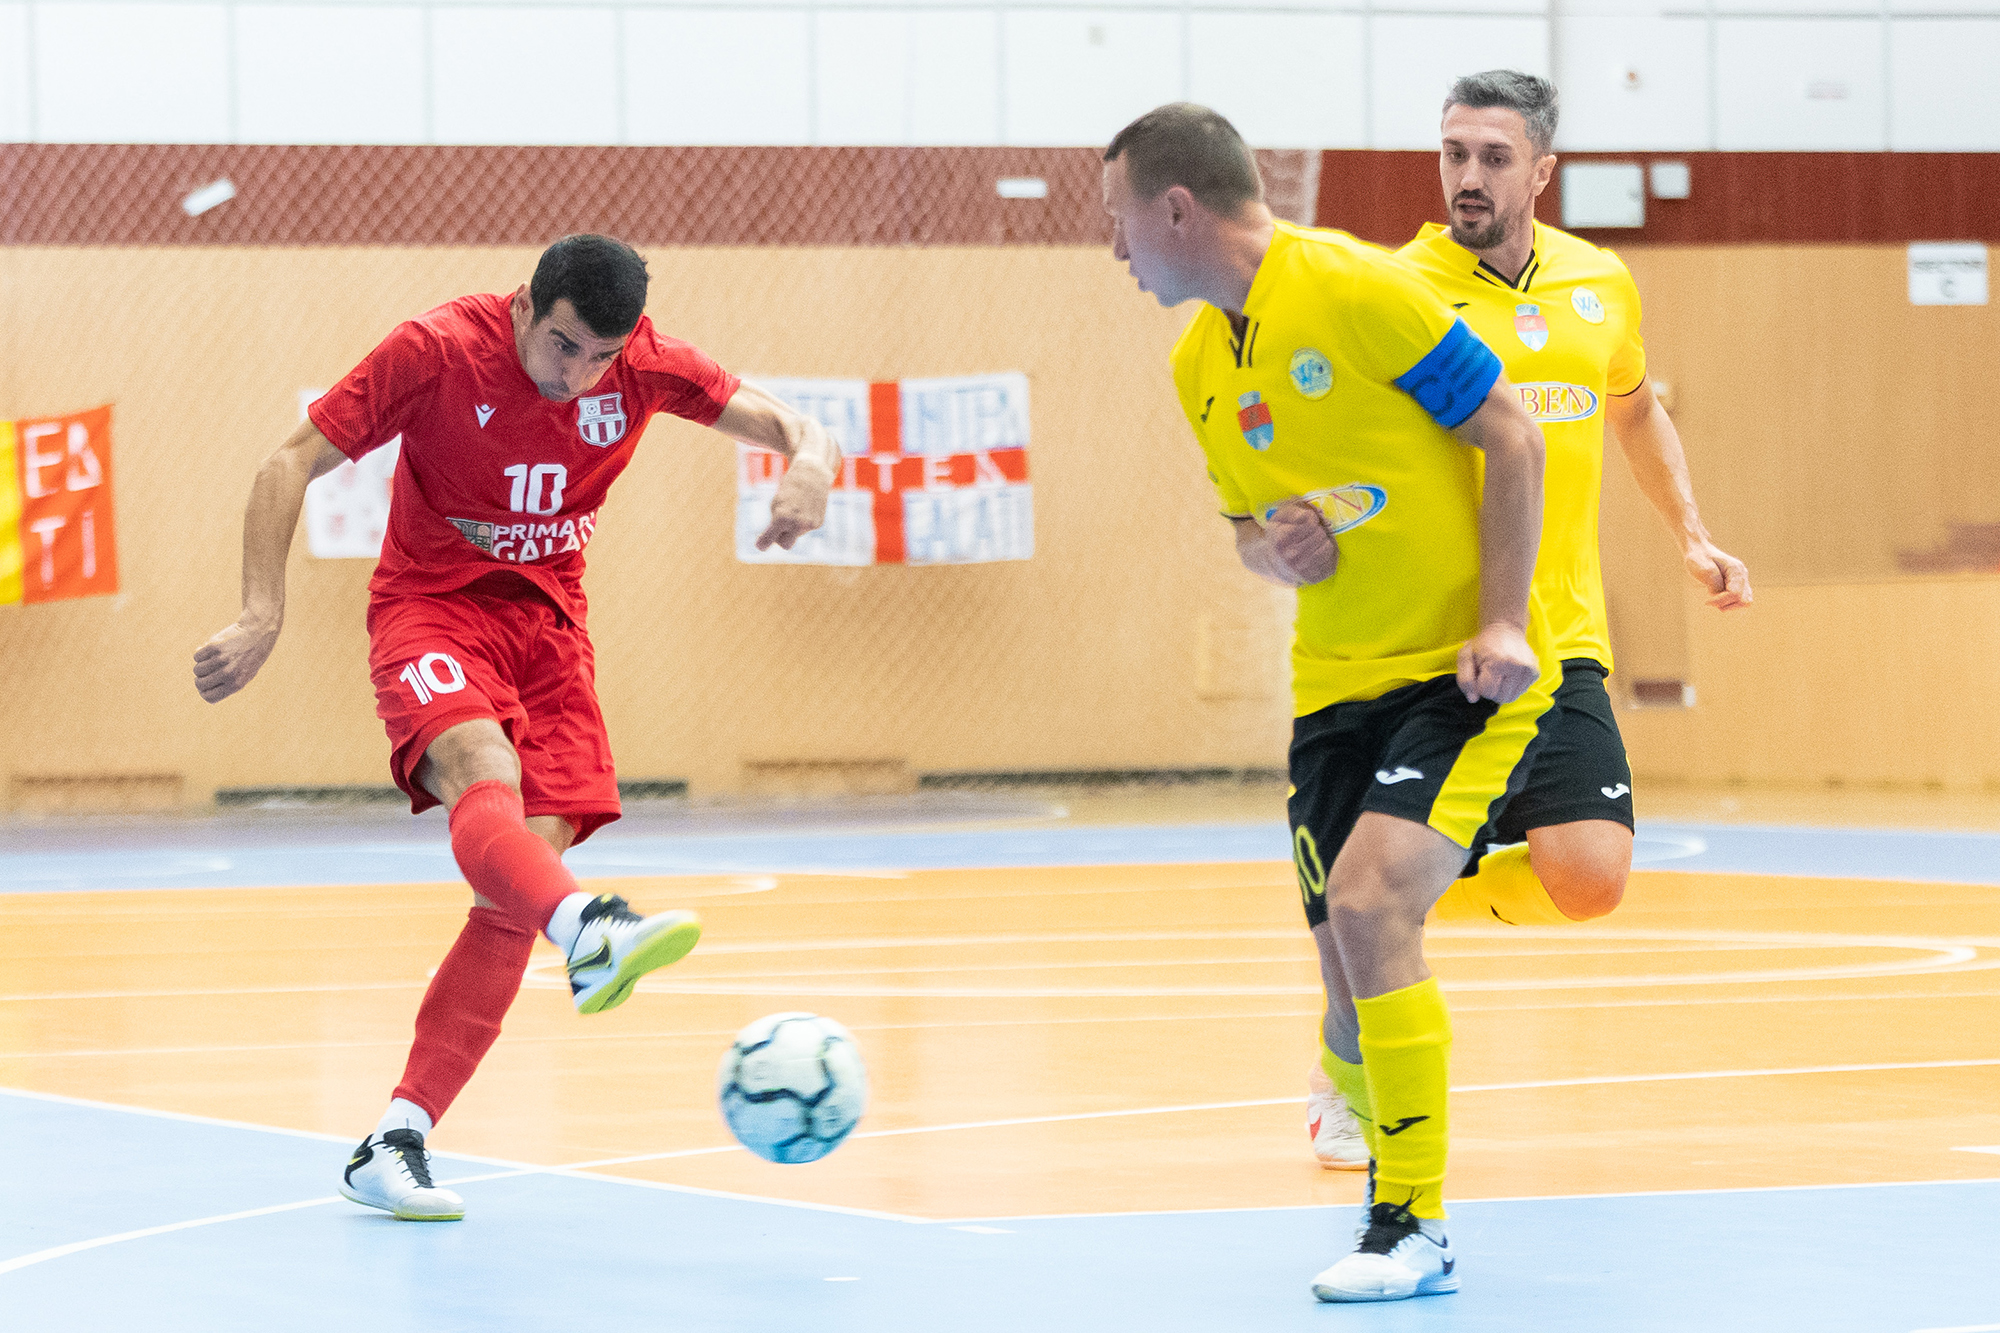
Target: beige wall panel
x,y
1084,657
1829,424
1852,684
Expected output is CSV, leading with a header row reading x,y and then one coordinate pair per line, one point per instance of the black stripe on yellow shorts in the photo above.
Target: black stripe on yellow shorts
x,y
1421,753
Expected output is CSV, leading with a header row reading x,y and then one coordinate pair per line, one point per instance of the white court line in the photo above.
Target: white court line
x,y
1961,1328
77,1247
586,1171
1991,1147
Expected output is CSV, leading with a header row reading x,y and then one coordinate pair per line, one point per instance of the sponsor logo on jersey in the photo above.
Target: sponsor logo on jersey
x,y
1532,328
1551,401
1312,373
1345,507
479,534
484,413
1253,414
601,420
1588,308
524,543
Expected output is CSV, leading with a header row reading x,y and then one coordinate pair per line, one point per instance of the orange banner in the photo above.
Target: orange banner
x,y
66,535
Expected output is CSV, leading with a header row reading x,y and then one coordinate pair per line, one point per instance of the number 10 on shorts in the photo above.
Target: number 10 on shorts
x,y
433,674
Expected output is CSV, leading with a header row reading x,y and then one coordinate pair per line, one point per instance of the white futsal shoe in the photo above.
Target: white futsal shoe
x,y
615,946
1399,1256
1336,1134
393,1172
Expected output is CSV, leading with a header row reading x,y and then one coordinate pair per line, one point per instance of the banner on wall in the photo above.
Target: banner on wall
x,y
58,538
935,472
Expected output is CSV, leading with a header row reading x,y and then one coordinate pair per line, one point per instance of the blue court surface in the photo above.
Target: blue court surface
x,y
407,851
122,1220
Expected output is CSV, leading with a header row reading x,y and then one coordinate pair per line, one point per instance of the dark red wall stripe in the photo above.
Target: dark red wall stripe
x,y
129,194
1736,198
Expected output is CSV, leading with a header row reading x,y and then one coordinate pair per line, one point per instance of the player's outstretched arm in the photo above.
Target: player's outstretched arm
x,y
755,417
1653,450
1497,663
228,661
1291,547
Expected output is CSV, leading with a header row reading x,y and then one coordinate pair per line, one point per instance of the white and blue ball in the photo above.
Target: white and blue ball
x,y
792,1087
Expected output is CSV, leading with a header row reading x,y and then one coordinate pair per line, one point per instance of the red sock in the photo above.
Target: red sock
x,y
512,868
460,1016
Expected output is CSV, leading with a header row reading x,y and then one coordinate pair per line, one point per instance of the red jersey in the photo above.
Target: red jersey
x,y
492,474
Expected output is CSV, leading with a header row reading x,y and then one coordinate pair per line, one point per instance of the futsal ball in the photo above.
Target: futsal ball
x,y
792,1087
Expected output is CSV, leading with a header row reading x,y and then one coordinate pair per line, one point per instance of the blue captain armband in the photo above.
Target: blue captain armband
x,y
1453,378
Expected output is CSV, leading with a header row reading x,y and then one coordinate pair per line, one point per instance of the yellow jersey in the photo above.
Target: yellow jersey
x,y
1340,387
1567,331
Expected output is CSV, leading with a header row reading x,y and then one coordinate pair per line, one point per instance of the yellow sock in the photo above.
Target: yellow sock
x,y
1505,889
1406,1051
1352,1081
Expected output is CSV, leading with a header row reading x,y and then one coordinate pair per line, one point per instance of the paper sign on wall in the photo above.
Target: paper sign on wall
x,y
347,510
58,539
935,472
1947,273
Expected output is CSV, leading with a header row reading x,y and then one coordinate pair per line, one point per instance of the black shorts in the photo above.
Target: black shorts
x,y
1421,753
1580,770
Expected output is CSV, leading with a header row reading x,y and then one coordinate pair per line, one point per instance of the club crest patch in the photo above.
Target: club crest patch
x,y
1312,373
1588,308
1531,326
1253,415
601,420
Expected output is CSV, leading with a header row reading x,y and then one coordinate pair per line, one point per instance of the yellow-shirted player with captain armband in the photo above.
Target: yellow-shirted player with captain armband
x,y
1335,396
1563,316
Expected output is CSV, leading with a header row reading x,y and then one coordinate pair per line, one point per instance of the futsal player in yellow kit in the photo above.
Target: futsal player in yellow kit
x,y
1563,316
1343,409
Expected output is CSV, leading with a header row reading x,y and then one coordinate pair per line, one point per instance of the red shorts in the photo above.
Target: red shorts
x,y
446,658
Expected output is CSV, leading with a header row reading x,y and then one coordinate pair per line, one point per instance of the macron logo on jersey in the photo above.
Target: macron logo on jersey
x,y
484,413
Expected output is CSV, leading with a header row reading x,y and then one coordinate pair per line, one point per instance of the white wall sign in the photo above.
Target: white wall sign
x,y
347,510
1603,194
1947,273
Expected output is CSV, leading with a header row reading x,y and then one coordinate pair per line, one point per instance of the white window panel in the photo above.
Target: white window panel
x,y
908,77
1418,57
705,76
132,73
1942,95
1514,8
1631,83
527,75
1799,84
329,74
1284,80
1809,7
1077,77
1944,6
14,105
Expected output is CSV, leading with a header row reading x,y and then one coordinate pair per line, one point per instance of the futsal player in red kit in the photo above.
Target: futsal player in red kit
x,y
516,414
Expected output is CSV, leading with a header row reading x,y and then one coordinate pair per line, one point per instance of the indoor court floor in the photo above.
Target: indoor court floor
x,y
1765,1094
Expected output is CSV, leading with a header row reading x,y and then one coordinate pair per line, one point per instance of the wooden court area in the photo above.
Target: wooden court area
x,y
1059,1040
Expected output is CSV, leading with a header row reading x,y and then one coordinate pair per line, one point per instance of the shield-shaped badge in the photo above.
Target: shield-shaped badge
x,y
600,420
1529,324
1253,414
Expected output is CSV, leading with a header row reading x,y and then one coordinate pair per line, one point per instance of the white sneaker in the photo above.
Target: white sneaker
x,y
1336,1134
393,1172
1399,1256
616,946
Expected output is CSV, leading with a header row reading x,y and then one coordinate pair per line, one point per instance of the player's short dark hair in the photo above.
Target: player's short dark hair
x,y
603,278
1534,98
1193,147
